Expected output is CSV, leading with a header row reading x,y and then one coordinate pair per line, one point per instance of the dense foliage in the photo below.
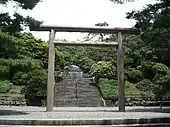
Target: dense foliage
x,y
15,23
35,83
108,88
154,23
5,86
103,69
23,62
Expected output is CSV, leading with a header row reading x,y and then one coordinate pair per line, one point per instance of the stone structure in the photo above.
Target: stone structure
x,y
12,101
75,90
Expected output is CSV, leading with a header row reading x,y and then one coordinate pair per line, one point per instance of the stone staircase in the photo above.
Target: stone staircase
x,y
77,92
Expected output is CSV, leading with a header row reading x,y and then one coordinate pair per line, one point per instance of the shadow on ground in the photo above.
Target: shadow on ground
x,y
11,112
146,109
158,110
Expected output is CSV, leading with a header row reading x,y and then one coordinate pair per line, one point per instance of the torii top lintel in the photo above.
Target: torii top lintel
x,y
87,29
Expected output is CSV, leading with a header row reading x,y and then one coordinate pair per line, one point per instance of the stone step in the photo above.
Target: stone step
x,y
123,125
67,93
78,102
69,89
77,89
153,122
78,93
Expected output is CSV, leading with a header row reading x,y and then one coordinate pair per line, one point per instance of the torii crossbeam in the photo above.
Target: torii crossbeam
x,y
51,55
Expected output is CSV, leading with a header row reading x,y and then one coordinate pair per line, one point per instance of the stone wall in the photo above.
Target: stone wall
x,y
12,101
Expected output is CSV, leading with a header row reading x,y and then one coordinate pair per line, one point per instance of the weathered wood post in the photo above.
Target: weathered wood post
x,y
120,67
51,66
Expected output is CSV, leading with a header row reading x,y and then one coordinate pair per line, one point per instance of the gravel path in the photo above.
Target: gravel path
x,y
81,113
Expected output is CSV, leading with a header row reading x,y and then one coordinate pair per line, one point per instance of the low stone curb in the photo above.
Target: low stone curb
x,y
85,122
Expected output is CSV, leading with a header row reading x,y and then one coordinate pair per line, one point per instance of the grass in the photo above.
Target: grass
x,y
131,90
5,86
109,89
14,92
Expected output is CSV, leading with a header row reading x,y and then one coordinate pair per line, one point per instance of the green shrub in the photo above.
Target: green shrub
x,y
134,75
108,88
8,67
5,62
146,87
23,65
8,46
85,64
146,68
103,69
5,86
131,90
4,72
160,68
161,85
167,96
36,84
19,78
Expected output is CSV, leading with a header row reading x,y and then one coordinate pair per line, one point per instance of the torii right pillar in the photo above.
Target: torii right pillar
x,y
121,82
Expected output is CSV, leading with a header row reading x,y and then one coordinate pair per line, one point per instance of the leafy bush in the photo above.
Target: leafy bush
x,y
146,87
134,75
36,83
23,65
9,67
4,72
5,86
8,46
85,64
146,68
108,88
162,86
103,69
131,90
5,62
160,68
19,78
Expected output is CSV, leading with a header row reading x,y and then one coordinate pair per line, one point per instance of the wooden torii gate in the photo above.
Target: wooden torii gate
x,y
51,55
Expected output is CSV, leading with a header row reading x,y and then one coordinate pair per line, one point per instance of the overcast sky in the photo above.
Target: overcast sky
x,y
80,13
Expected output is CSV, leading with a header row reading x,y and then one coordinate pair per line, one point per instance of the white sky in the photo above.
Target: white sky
x,y
80,13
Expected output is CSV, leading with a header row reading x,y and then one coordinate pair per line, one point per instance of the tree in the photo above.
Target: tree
x,y
25,4
24,45
154,23
14,24
154,20
122,1
9,46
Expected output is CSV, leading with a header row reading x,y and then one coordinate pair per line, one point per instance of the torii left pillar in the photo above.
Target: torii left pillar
x,y
51,66
121,82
